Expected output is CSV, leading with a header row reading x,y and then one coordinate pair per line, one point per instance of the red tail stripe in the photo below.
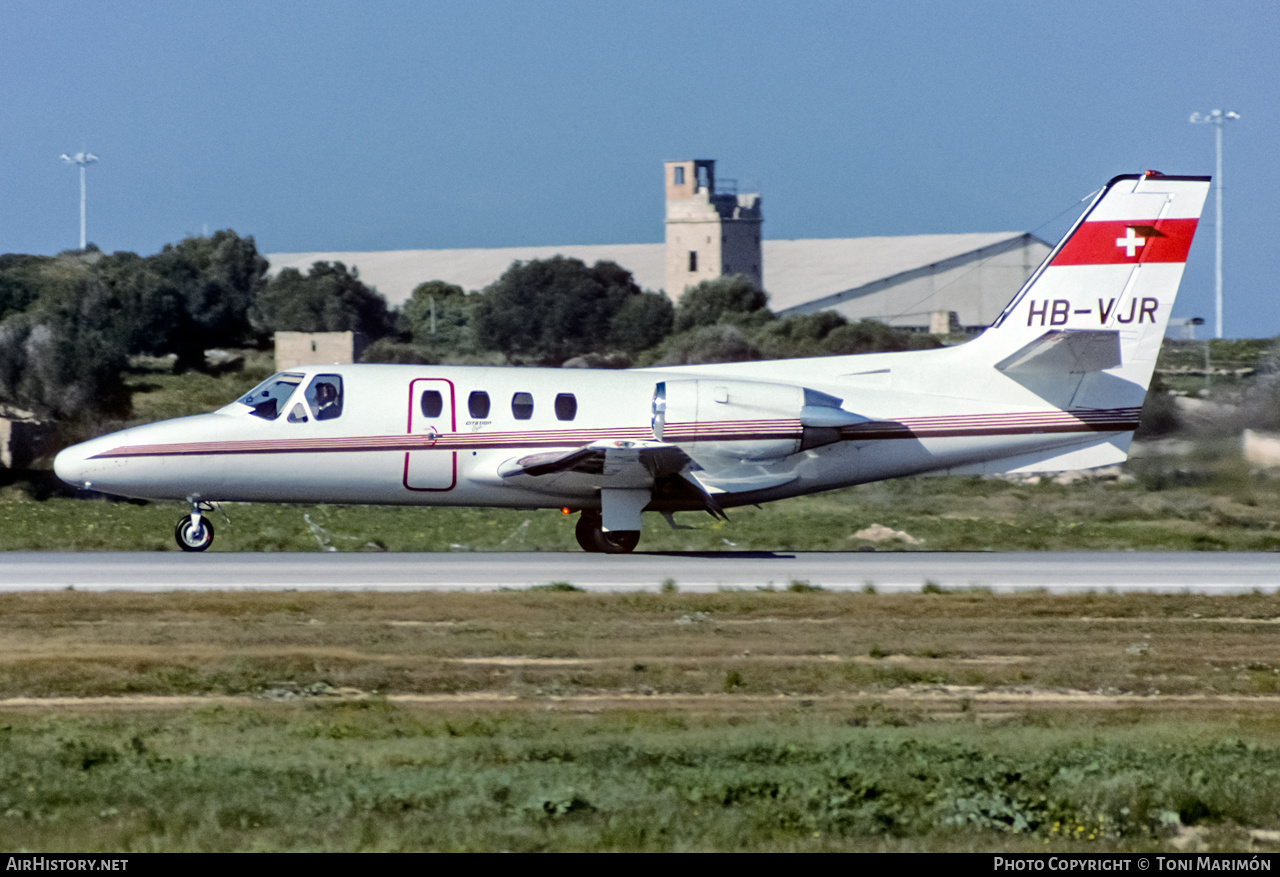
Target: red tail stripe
x,y
1128,242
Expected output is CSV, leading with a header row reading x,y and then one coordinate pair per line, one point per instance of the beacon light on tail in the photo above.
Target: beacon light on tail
x,y
1056,383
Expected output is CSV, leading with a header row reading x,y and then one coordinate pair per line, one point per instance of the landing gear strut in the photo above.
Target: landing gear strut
x,y
194,532
592,537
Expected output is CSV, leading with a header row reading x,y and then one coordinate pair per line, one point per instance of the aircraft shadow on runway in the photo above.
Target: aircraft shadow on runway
x,y
720,555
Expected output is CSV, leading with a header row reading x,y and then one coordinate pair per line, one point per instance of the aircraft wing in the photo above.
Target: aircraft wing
x,y
612,465
607,464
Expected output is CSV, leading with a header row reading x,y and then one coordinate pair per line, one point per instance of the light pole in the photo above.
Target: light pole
x,y
84,159
1217,119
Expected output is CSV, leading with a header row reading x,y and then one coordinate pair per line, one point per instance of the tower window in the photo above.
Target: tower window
x,y
678,178
693,260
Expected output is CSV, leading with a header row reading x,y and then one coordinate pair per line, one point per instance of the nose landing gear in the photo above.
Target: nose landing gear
x,y
592,536
194,532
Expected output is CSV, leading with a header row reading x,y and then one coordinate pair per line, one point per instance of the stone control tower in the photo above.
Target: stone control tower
x,y
709,233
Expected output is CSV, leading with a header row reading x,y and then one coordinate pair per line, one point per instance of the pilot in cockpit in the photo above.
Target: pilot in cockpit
x,y
328,406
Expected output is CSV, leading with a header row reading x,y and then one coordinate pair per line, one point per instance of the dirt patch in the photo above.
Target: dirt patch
x,y
945,699
522,661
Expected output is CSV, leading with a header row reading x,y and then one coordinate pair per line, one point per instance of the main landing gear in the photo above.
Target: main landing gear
x,y
195,531
592,536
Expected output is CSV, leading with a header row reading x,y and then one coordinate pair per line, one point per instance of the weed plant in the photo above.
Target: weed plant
x,y
372,776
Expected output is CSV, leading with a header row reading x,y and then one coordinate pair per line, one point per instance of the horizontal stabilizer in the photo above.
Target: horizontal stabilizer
x,y
1076,351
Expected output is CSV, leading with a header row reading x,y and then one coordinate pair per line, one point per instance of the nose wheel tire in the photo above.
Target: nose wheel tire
x,y
193,537
592,537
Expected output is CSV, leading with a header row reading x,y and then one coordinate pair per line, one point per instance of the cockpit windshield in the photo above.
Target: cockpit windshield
x,y
268,398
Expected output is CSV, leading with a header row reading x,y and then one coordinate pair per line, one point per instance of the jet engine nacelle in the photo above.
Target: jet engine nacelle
x,y
749,420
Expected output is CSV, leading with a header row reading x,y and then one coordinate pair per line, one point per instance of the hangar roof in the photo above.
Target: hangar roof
x,y
795,271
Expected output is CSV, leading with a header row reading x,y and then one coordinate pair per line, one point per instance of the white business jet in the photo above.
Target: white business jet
x,y
1056,383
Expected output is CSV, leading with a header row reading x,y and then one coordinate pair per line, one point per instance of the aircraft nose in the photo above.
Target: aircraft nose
x,y
71,465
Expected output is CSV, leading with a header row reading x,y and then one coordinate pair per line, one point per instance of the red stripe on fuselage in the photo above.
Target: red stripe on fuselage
x,y
1111,243
1028,423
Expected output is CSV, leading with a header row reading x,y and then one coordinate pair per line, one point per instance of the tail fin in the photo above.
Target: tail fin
x,y
1085,330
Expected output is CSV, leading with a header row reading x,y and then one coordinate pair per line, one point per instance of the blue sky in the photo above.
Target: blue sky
x,y
395,125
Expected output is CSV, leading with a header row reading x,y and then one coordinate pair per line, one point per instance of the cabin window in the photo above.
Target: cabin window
x,y
478,404
566,406
432,403
268,398
522,406
324,395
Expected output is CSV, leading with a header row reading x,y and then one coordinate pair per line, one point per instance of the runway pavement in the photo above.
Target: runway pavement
x,y
1212,573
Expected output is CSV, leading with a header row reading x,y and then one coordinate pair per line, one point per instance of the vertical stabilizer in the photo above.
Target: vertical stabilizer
x,y
1109,285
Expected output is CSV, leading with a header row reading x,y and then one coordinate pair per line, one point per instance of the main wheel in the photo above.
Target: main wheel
x,y
191,537
617,541
587,528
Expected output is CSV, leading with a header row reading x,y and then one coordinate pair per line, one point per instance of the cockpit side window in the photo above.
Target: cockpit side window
x,y
324,395
268,398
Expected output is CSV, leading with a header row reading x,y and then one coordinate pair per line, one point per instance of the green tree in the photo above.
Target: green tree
x,y
725,299
549,310
718,343
217,280
872,336
438,318
19,281
643,321
827,333
328,298
799,335
63,357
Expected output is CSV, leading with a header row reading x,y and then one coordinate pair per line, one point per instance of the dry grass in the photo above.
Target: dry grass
x,y
535,645
544,720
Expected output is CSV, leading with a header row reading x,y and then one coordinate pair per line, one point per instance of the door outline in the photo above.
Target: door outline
x,y
453,427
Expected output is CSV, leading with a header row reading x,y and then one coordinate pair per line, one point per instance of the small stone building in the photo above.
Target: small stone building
x,y
294,349
23,438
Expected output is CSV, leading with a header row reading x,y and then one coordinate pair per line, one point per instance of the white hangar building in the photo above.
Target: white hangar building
x,y
936,283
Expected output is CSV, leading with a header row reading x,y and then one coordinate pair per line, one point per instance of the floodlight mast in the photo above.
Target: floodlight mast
x,y
83,159
1217,119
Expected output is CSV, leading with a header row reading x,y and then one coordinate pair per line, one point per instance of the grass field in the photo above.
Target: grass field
x,y
555,720
1205,502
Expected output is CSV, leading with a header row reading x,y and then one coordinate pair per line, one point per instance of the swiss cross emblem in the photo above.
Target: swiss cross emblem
x,y
1131,242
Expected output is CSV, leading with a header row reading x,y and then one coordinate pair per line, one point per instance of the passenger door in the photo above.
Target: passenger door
x,y
431,418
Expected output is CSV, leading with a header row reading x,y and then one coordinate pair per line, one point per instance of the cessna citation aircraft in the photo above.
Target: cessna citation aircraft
x,y
1057,382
